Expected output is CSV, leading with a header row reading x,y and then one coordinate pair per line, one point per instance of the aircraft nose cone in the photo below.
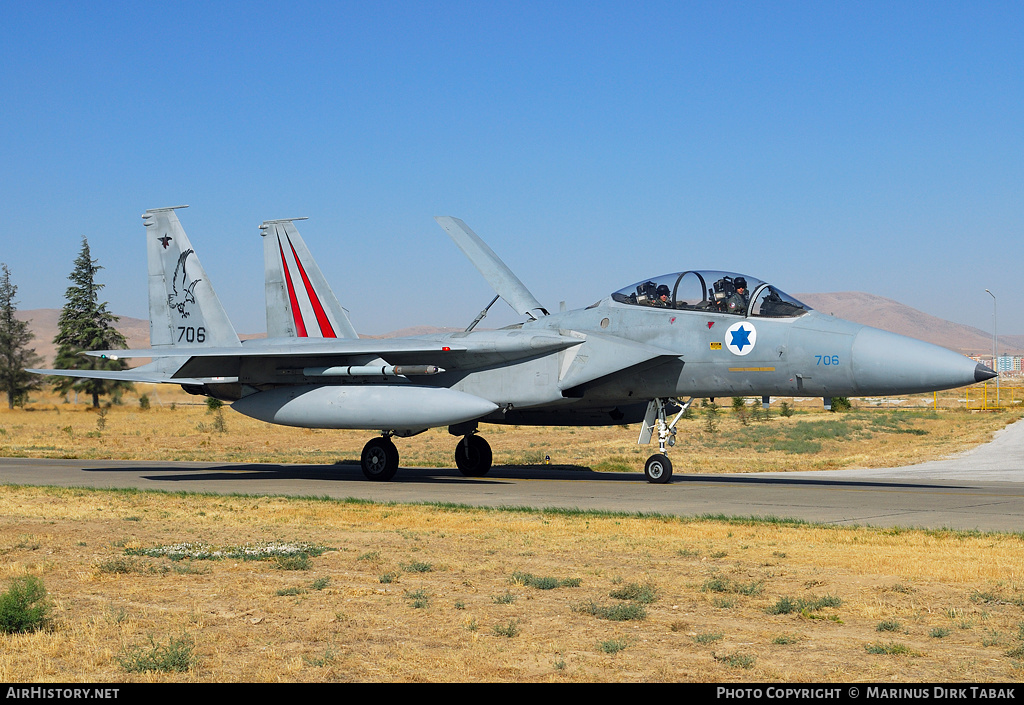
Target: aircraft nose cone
x,y
982,373
887,363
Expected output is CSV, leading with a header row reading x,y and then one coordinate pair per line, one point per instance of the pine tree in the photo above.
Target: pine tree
x,y
86,324
15,355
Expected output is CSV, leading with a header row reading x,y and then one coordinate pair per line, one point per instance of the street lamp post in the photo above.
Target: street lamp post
x,y
995,354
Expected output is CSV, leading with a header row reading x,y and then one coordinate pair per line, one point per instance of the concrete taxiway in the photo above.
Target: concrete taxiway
x,y
981,489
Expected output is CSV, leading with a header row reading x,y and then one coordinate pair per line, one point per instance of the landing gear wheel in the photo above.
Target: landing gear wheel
x,y
473,456
380,459
658,469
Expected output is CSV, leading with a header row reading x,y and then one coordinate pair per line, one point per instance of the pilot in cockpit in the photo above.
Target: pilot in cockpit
x,y
661,298
737,301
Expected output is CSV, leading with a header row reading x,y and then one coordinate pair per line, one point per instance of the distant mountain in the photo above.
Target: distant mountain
x,y
43,323
899,318
415,330
855,306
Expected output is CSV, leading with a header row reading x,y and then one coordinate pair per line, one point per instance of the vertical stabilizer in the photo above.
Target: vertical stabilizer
x,y
300,303
183,308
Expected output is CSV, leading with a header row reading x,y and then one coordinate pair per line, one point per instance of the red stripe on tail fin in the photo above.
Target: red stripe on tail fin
x,y
300,326
321,316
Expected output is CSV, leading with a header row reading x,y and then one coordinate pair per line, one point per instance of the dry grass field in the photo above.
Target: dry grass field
x,y
178,426
146,587
423,593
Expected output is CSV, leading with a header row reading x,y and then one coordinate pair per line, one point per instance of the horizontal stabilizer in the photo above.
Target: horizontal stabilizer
x,y
158,372
506,284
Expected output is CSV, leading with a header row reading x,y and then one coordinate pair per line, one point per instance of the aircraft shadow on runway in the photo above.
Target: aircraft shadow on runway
x,y
500,474
348,472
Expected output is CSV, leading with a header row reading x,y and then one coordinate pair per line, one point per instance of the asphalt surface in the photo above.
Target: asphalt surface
x,y
982,489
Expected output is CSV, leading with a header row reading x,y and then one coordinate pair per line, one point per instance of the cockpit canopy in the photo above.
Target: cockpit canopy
x,y
721,292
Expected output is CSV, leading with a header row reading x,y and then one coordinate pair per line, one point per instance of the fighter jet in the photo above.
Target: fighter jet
x,y
641,354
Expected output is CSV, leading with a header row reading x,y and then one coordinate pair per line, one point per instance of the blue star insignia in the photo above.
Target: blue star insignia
x,y
740,337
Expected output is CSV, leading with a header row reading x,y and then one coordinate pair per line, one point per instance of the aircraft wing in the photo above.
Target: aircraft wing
x,y
449,352
292,348
506,284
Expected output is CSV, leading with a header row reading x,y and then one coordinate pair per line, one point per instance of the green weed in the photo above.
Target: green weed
x,y
720,584
642,594
890,649
507,630
613,646
543,583
120,566
419,599
25,606
299,561
788,605
417,567
736,660
621,612
174,657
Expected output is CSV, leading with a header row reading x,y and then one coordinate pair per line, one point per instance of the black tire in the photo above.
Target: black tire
x,y
658,469
380,459
473,456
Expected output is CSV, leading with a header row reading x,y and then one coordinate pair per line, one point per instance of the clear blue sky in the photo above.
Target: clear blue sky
x,y
854,146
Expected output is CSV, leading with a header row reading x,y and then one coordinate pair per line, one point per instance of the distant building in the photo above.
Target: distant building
x,y
1009,363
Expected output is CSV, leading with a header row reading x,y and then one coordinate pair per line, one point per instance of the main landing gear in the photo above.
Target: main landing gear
x,y
658,468
380,457
473,456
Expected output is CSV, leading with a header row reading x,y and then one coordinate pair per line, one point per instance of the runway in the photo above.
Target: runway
x,y
982,489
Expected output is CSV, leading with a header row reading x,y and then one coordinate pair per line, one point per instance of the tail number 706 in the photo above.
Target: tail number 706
x,y
189,334
827,360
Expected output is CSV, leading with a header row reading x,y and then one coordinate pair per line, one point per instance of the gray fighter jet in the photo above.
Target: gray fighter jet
x,y
640,354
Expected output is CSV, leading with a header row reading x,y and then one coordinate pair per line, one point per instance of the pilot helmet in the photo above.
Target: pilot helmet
x,y
663,290
740,283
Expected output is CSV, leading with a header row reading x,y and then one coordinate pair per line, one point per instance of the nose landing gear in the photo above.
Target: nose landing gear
x,y
658,468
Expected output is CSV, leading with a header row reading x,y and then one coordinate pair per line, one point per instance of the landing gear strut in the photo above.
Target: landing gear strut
x,y
658,468
473,456
380,459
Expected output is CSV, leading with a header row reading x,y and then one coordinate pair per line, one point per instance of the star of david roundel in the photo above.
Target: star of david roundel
x,y
741,338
